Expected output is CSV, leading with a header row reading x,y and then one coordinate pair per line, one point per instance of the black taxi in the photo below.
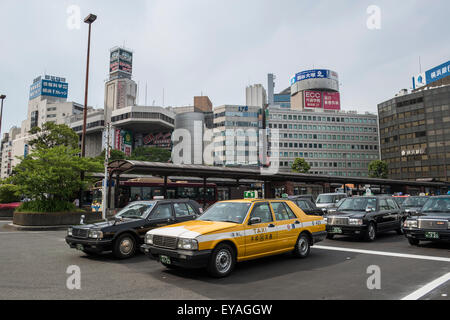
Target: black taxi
x,y
126,231
431,223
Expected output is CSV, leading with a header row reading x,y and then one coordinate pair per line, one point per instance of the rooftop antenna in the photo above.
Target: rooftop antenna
x,y
145,92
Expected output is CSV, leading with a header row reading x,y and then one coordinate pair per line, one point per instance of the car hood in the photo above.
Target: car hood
x,y
350,214
192,229
105,224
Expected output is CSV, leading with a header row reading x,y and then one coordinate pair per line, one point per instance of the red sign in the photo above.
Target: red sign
x,y
313,99
331,101
158,139
117,140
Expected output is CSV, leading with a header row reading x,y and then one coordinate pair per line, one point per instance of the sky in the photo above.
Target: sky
x,y
218,47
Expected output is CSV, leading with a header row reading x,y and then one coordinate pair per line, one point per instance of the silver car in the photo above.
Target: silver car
x,y
329,201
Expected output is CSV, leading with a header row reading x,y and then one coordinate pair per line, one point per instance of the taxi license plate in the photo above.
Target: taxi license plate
x,y
80,247
165,259
431,235
336,230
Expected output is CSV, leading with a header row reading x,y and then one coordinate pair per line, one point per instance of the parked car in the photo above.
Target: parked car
x,y
400,199
329,200
234,231
309,197
126,231
365,217
412,205
432,223
308,206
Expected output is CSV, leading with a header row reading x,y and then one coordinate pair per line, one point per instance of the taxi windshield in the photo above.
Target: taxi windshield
x,y
437,206
136,210
234,212
414,202
358,204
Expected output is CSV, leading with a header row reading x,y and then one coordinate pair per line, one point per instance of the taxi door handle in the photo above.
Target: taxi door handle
x,y
271,225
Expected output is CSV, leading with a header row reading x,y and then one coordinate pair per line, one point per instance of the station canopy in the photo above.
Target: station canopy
x,y
120,167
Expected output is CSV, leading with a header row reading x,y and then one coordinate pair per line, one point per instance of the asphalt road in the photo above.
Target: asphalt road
x,y
34,264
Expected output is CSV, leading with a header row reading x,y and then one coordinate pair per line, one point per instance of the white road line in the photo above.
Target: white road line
x,y
428,288
384,253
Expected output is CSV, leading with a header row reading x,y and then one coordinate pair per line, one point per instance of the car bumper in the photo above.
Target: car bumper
x,y
420,234
347,230
319,236
90,244
181,258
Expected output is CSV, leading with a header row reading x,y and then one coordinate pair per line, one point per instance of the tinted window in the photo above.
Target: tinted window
x,y
384,205
262,211
304,205
163,211
392,204
358,204
181,210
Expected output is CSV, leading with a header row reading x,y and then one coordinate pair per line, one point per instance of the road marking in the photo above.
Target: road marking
x,y
384,253
21,232
428,288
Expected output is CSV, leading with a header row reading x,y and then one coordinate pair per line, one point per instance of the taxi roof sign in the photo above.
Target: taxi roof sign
x,y
253,194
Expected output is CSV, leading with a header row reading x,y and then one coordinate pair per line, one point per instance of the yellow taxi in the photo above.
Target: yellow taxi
x,y
234,231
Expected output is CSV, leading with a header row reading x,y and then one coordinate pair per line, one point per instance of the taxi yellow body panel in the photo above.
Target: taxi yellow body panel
x,y
259,240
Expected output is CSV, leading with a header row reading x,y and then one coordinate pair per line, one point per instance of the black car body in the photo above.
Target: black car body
x,y
125,233
307,205
413,204
365,217
432,223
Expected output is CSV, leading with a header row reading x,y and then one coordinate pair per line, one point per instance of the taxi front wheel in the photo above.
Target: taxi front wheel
x,y
302,248
222,261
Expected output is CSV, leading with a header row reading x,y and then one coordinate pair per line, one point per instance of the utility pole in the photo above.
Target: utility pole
x,y
2,97
105,180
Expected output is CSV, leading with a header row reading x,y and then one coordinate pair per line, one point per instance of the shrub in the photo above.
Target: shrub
x,y
48,205
9,193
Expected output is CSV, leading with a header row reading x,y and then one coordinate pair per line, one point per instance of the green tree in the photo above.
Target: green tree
x,y
52,135
113,155
53,173
153,154
9,193
300,166
378,169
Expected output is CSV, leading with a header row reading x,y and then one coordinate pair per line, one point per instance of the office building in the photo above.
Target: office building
x,y
255,95
415,128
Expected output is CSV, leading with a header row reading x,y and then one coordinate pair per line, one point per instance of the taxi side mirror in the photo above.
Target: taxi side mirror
x,y
255,220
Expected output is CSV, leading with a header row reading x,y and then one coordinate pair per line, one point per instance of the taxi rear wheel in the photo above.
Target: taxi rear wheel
x,y
302,247
222,262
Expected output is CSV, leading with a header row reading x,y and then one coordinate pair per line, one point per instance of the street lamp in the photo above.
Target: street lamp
x,y
89,20
1,113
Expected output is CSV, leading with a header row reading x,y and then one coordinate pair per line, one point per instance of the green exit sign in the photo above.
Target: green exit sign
x,y
250,194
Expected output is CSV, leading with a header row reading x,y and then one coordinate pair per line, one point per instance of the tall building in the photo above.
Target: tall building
x,y
256,95
336,143
203,103
236,131
415,128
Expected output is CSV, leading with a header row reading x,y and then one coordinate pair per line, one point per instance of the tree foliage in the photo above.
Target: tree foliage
x,y
300,166
52,135
378,169
9,193
153,154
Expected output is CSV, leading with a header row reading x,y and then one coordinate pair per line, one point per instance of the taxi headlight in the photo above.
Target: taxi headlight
x,y
355,222
69,231
410,224
187,244
95,234
149,238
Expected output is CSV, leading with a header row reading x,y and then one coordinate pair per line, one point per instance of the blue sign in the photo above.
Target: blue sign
x,y
50,86
310,74
438,72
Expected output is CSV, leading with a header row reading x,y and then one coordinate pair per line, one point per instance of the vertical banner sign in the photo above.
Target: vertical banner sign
x,y
313,99
331,101
117,140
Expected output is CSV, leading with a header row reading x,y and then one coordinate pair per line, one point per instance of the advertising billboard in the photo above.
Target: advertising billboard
x,y
314,74
434,74
49,86
331,101
313,99
161,140
121,60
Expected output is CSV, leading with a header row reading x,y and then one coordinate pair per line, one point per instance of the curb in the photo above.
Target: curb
x,y
16,227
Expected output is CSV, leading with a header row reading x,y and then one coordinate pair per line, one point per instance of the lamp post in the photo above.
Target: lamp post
x,y
1,113
89,20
